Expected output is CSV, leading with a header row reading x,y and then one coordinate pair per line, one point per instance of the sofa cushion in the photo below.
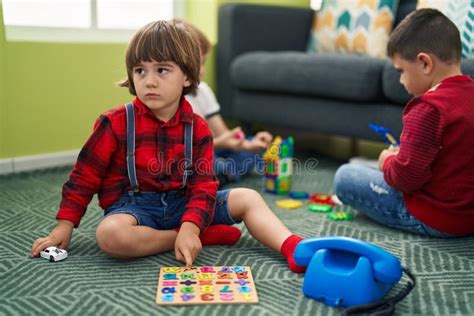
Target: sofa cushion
x,y
361,27
345,77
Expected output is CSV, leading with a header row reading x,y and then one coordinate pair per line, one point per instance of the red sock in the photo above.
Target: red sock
x,y
219,235
287,249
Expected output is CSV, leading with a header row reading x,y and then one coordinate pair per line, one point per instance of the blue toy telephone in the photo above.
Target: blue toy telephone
x,y
346,272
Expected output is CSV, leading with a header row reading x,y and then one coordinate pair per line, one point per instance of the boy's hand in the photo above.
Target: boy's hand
x,y
187,245
233,139
385,154
260,142
59,237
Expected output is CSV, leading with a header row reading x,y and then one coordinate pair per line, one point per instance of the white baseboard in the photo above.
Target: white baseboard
x,y
6,166
35,162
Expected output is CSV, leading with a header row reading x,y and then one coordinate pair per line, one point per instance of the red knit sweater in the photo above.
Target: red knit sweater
x,y
435,166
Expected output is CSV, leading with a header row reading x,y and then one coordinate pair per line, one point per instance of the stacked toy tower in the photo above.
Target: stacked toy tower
x,y
278,165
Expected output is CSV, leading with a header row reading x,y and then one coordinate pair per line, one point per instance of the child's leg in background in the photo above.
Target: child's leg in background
x,y
365,190
248,206
230,166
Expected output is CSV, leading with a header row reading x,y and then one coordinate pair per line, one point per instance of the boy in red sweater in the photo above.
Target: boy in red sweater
x,y
425,186
151,163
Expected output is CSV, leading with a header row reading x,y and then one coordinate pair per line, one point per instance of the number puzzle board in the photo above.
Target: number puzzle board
x,y
206,285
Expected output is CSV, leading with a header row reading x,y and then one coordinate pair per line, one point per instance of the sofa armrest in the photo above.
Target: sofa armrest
x,y
243,28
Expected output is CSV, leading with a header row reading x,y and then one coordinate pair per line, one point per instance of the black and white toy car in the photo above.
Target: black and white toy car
x,y
53,254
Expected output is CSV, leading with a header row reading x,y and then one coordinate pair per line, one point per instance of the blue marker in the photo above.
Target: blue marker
x,y
386,134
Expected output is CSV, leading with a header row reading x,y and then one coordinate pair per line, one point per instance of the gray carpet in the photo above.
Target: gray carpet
x,y
90,283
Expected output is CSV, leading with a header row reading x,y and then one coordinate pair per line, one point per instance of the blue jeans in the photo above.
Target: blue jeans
x,y
235,163
365,189
164,210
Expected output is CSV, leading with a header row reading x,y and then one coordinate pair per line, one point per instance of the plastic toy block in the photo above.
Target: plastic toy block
x,y
270,185
278,165
300,195
322,208
322,198
339,216
284,185
289,203
285,167
271,167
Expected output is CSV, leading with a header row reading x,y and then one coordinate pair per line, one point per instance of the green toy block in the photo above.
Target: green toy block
x,y
340,216
323,208
283,185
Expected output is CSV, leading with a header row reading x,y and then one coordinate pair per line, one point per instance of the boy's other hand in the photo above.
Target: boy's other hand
x,y
385,154
59,237
233,139
187,245
260,142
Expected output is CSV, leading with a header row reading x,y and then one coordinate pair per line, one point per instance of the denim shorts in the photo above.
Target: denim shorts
x,y
164,210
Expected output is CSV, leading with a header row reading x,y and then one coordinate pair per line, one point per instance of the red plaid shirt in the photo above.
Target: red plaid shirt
x,y
159,152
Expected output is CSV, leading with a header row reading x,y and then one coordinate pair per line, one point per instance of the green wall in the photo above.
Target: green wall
x,y
51,93
2,91
55,91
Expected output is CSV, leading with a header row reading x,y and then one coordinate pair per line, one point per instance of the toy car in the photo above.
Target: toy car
x,y
54,254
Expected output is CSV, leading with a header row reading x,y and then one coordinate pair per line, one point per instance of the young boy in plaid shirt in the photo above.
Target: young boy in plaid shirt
x,y
151,163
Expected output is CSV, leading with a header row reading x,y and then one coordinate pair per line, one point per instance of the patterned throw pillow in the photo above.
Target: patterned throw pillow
x,y
353,26
461,12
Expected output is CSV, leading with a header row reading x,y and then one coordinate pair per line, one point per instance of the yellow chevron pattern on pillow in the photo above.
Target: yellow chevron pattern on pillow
x,y
461,12
353,26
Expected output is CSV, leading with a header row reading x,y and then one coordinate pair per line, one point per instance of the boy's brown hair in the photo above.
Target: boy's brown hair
x,y
164,41
428,31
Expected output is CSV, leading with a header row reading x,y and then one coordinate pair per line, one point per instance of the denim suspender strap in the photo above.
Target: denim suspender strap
x,y
188,152
132,172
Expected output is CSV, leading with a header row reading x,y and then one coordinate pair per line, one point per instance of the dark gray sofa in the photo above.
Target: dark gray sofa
x,y
264,75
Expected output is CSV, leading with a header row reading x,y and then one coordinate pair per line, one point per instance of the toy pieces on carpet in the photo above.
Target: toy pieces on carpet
x,y
321,198
320,208
278,165
298,195
206,285
320,202
340,216
289,203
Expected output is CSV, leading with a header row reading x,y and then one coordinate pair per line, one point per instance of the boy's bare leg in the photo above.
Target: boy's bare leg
x,y
119,236
262,223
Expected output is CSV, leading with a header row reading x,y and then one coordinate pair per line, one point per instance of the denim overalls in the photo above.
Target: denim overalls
x,y
161,210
